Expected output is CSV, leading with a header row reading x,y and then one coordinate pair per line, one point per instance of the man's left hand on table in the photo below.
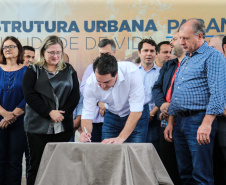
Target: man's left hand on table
x,y
113,140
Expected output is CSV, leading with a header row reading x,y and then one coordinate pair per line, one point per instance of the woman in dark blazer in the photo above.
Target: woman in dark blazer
x,y
51,90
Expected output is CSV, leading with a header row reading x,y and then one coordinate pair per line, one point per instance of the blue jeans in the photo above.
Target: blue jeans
x,y
114,124
195,161
12,146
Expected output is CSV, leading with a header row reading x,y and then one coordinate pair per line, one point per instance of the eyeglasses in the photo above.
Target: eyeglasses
x,y
54,53
8,47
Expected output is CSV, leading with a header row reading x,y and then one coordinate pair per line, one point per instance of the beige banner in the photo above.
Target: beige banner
x,y
82,23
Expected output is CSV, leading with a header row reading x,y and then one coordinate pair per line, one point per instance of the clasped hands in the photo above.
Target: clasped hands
x,y
8,118
56,115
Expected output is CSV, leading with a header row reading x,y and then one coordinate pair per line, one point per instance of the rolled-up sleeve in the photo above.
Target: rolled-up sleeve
x,y
136,95
89,103
216,67
86,75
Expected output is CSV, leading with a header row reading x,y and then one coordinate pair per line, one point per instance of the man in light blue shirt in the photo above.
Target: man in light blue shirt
x,y
150,72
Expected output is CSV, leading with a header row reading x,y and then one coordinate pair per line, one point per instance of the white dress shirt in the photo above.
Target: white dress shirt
x,y
127,95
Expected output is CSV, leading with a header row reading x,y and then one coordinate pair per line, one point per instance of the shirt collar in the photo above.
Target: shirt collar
x,y
201,49
120,77
154,67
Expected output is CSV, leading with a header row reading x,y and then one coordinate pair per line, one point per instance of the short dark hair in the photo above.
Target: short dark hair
x,y
149,41
105,42
30,48
161,43
106,64
223,42
20,50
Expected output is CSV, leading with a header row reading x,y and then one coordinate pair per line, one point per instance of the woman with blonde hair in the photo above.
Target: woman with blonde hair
x,y
12,104
51,93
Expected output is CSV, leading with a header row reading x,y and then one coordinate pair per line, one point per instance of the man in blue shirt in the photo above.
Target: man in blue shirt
x,y
147,50
197,99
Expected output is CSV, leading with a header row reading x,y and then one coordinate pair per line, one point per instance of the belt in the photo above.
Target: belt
x,y
189,112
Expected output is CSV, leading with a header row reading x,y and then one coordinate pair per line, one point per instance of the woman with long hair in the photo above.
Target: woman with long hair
x,y
51,93
12,104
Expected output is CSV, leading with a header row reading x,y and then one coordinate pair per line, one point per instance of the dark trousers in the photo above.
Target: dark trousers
x,y
27,157
37,143
97,132
12,144
154,133
220,152
168,157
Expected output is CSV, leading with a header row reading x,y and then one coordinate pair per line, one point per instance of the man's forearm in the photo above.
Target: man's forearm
x,y
88,124
154,110
208,119
171,120
130,125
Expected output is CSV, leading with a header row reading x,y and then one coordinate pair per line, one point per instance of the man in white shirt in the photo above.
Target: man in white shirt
x,y
105,46
120,87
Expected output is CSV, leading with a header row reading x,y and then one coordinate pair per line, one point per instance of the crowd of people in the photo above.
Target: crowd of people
x,y
173,97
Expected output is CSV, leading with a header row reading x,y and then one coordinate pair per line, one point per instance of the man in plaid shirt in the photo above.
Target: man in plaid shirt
x,y
197,99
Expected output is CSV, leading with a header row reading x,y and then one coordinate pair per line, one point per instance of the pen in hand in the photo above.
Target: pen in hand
x,y
87,133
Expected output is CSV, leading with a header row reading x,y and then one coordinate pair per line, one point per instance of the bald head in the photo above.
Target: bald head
x,y
196,25
192,34
216,42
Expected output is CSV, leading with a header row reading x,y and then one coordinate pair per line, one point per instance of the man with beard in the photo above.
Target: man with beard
x,y
162,92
